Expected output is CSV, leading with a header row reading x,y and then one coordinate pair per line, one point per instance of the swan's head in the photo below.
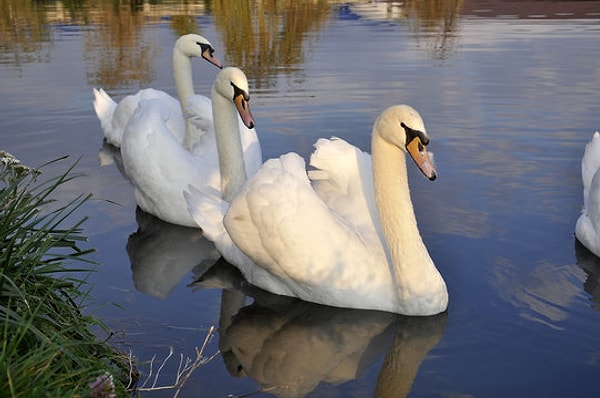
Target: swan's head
x,y
193,45
402,125
232,84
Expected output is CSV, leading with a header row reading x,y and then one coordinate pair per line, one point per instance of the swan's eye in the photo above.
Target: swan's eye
x,y
239,92
412,134
205,47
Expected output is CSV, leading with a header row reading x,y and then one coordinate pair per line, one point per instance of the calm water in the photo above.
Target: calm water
x,y
509,94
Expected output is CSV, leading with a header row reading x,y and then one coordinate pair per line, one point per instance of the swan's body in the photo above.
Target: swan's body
x,y
160,168
196,108
587,229
345,234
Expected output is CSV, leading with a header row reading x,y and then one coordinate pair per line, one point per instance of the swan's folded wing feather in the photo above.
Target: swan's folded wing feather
x,y
283,225
114,117
208,209
343,178
199,113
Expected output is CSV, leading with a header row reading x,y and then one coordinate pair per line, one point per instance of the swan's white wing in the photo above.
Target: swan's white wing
x,y
159,166
208,210
285,227
343,178
588,225
115,117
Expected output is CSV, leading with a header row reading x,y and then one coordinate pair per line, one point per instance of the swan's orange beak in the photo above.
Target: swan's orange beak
x,y
208,55
419,153
243,108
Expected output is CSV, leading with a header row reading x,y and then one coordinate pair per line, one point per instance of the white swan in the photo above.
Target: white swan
x,y
344,235
114,117
587,229
160,168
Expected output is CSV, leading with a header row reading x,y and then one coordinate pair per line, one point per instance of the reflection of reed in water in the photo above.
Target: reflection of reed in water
x,y
265,38
435,13
437,21
184,24
116,54
24,32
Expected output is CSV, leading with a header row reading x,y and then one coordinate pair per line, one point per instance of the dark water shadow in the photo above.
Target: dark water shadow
x,y
590,264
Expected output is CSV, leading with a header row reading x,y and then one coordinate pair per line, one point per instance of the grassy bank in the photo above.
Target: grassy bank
x,y
47,346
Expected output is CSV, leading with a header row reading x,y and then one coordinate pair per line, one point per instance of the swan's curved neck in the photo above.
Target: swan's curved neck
x,y
184,84
411,266
229,146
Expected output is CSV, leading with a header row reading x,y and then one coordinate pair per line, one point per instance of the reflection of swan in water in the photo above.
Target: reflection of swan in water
x,y
225,276
542,294
292,348
289,346
161,254
590,263
110,154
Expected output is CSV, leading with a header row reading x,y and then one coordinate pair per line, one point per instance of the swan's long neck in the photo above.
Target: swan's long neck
x,y
229,146
184,84
411,266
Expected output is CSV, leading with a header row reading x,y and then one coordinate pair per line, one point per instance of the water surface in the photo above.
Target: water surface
x,y
508,91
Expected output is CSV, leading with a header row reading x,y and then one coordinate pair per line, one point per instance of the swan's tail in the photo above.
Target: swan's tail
x,y
590,163
105,108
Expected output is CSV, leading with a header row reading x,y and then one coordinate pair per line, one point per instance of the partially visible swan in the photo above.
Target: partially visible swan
x,y
344,235
160,168
114,117
587,229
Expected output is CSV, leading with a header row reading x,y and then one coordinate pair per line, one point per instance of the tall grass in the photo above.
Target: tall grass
x,y
47,348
